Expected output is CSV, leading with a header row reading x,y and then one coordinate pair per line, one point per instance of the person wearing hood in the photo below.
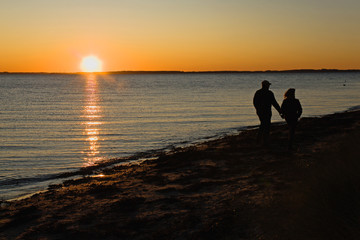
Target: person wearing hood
x,y
291,110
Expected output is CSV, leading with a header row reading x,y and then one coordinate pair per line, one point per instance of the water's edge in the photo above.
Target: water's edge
x,y
138,158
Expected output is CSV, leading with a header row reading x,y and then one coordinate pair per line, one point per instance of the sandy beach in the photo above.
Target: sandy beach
x,y
228,188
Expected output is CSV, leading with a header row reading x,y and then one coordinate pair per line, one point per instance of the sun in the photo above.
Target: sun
x,y
91,64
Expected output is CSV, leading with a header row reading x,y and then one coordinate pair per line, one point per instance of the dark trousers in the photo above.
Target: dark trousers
x,y
264,129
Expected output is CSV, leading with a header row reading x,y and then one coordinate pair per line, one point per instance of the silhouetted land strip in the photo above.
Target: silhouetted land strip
x,y
231,72
198,72
221,189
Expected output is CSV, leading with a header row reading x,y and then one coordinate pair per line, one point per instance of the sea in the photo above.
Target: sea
x,y
52,125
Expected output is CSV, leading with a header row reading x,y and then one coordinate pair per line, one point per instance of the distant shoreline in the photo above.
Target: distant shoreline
x,y
198,72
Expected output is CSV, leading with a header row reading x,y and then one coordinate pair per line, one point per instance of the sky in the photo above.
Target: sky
x,y
186,35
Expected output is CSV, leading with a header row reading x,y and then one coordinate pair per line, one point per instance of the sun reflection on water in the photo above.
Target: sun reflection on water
x,y
92,123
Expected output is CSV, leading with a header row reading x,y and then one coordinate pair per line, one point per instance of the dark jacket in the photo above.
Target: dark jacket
x,y
291,108
263,100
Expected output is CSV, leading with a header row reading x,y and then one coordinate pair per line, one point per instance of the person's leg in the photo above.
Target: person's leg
x,y
264,130
292,127
260,134
267,123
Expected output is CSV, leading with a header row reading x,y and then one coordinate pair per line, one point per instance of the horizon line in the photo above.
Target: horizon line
x,y
179,71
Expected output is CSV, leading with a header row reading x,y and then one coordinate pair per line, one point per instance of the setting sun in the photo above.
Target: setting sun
x,y
91,64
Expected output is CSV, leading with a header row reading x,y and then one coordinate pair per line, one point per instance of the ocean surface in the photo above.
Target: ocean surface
x,y
59,123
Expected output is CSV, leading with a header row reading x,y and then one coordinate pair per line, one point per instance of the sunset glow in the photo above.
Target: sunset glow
x,y
91,64
214,36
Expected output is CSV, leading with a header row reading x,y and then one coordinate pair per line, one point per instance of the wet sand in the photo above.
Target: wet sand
x,y
228,188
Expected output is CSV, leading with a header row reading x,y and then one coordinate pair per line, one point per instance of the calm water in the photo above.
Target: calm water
x,y
53,123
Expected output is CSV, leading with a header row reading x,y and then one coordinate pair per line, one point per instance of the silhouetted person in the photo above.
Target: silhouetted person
x,y
291,110
263,100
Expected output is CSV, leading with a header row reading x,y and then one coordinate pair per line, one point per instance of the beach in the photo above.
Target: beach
x,y
227,188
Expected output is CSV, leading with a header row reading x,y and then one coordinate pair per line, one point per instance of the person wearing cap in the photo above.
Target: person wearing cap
x,y
291,110
263,100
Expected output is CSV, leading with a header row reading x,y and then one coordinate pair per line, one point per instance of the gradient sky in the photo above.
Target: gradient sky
x,y
188,35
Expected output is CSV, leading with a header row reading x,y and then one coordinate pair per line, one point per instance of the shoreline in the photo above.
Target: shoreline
x,y
136,158
139,157
223,188
133,159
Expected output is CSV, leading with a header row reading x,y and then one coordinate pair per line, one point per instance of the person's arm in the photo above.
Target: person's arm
x,y
299,112
255,100
275,104
283,109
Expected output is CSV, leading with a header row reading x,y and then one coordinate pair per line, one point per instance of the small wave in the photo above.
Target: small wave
x,y
354,108
25,181
16,147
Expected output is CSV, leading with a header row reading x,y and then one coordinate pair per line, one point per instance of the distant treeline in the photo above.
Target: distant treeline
x,y
267,71
198,72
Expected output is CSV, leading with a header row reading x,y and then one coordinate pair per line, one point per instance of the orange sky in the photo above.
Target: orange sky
x,y
189,35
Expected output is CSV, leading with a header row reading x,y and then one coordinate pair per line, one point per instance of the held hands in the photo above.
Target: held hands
x,y
282,115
